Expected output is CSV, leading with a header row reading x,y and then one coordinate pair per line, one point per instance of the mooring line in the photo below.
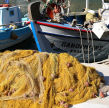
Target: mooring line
x,y
88,45
92,45
82,45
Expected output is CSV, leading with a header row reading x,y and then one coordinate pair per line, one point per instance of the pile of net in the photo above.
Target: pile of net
x,y
29,79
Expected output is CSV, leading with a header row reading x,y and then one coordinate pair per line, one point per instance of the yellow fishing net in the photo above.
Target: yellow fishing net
x,y
29,79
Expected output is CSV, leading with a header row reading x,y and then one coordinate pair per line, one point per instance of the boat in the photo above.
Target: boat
x,y
12,29
88,43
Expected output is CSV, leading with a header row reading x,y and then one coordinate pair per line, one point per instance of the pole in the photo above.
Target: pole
x,y
87,4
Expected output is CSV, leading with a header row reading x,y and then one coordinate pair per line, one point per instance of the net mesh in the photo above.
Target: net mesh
x,y
29,79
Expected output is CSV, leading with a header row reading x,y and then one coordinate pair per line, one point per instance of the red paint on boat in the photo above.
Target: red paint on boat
x,y
58,26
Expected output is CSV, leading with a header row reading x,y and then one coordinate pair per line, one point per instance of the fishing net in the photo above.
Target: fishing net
x,y
29,79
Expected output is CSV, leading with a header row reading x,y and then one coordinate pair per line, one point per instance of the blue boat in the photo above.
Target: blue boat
x,y
12,29
87,43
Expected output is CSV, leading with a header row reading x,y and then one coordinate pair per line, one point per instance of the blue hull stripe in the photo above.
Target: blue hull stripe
x,y
77,37
35,36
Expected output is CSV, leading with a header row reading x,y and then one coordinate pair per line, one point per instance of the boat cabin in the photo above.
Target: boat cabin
x,y
105,11
10,15
105,4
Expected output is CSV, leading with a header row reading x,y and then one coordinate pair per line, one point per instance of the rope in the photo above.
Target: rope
x,y
92,45
88,46
40,76
82,45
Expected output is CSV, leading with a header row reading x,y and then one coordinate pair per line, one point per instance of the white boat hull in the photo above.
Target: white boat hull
x,y
85,46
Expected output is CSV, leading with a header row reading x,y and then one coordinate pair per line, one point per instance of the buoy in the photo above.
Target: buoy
x,y
86,84
101,94
66,106
65,94
71,90
62,103
56,10
69,65
93,95
5,5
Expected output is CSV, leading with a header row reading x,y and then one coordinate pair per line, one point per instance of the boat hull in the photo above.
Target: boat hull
x,y
11,37
81,43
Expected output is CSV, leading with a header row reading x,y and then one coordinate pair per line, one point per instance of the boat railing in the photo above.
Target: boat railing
x,y
23,23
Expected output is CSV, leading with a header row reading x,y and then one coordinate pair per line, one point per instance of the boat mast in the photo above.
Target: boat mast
x,y
87,4
68,7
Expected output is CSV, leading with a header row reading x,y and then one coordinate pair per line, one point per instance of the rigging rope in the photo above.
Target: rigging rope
x,y
81,44
92,44
88,45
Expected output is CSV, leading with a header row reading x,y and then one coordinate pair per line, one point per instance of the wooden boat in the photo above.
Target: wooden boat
x,y
12,29
56,37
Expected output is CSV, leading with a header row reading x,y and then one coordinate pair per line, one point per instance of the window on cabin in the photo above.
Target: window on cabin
x,y
11,12
106,1
11,21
